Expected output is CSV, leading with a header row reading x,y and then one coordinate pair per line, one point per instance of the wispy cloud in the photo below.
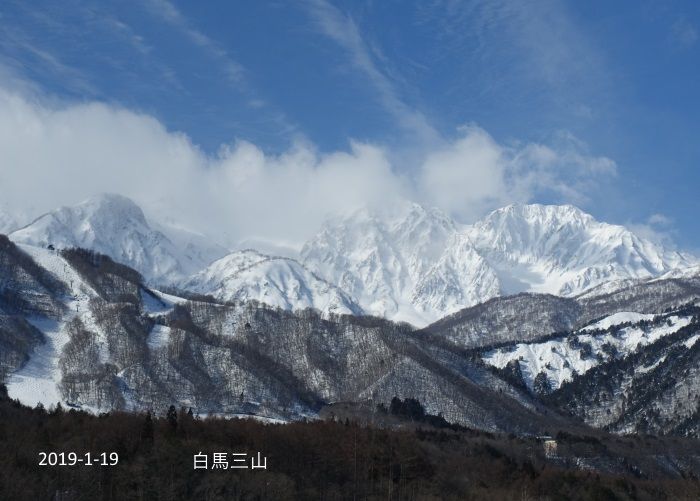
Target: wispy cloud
x,y
234,72
343,30
513,50
124,32
23,55
658,228
96,20
475,173
551,45
684,33
166,11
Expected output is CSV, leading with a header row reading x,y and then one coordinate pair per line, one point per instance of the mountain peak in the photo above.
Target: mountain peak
x,y
420,265
112,206
388,262
563,250
405,262
116,226
542,213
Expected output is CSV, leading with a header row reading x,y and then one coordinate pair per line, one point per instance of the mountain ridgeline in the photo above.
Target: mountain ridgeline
x,y
412,264
89,331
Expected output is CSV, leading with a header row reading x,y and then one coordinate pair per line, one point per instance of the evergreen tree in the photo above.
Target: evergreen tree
x,y
147,431
171,416
541,385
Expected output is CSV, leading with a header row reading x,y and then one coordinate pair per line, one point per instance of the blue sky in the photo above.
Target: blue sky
x,y
611,87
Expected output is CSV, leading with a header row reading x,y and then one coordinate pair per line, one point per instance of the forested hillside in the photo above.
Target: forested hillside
x,y
331,460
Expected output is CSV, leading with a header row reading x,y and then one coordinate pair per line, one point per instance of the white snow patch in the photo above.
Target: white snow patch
x,y
36,382
689,343
158,337
157,303
651,367
617,319
561,358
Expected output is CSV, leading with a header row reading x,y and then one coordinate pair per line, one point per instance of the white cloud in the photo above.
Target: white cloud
x,y
659,220
468,176
53,154
475,173
60,155
658,228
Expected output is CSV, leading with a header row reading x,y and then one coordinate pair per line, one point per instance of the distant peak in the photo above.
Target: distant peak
x,y
111,199
114,205
530,211
405,211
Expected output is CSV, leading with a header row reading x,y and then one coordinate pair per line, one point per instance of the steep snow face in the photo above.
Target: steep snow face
x,y
459,278
560,359
413,267
562,250
422,266
276,281
114,225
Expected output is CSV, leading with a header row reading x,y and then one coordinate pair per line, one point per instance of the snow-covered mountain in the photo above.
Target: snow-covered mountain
x,y
89,334
276,281
564,251
422,266
114,225
414,266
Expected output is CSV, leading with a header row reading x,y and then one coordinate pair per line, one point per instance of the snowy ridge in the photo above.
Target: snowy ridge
x,y
564,251
415,267
421,266
413,264
275,281
621,317
7,222
114,225
691,272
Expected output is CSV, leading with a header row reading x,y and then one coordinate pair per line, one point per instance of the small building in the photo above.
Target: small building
x,y
549,445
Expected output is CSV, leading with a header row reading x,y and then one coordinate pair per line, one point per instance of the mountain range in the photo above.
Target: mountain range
x,y
80,329
534,320
415,265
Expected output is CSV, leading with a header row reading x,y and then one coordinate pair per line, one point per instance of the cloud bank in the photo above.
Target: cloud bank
x,y
54,154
